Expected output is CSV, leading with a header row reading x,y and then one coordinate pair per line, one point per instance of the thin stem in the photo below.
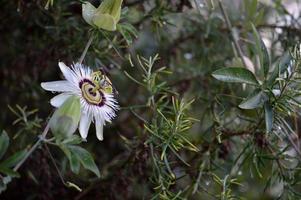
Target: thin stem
x,y
55,165
228,23
86,49
197,4
67,184
33,148
277,159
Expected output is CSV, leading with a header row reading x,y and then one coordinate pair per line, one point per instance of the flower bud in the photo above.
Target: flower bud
x,y
65,119
106,16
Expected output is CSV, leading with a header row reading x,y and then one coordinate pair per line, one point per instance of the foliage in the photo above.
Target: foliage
x,y
209,94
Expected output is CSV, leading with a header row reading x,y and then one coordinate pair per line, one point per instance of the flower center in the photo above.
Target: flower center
x,y
91,93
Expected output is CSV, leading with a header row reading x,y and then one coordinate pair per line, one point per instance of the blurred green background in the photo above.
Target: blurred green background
x,y
192,40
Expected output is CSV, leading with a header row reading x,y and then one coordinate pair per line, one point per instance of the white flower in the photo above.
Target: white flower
x,y
95,92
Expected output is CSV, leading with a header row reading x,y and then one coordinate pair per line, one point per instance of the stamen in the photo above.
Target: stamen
x,y
95,88
92,93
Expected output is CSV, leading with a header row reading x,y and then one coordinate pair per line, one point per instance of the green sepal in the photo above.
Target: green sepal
x,y
104,21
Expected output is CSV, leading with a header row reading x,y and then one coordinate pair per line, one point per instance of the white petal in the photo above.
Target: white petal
x,y
67,72
82,71
84,125
99,128
57,86
58,100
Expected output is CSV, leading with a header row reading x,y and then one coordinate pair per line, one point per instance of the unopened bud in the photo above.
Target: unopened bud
x,y
106,16
65,119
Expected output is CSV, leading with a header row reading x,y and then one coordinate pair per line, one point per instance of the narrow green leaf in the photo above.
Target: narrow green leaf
x,y
268,111
251,6
262,51
255,100
284,62
4,142
259,19
125,34
235,75
255,162
128,31
131,29
14,159
85,158
282,66
9,172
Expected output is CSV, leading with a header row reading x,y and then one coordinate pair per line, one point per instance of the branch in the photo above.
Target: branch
x,y
86,49
236,45
33,148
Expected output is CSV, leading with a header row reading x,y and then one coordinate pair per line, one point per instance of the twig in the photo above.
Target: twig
x,y
277,159
55,165
228,23
33,148
86,49
197,4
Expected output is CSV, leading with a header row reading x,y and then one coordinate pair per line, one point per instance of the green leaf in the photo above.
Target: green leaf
x,y
14,159
259,19
235,75
282,66
74,163
255,100
74,139
85,158
269,117
251,6
9,172
262,51
73,160
284,62
4,142
128,31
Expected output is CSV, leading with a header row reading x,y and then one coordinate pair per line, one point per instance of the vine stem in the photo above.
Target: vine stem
x,y
33,148
86,49
55,165
228,23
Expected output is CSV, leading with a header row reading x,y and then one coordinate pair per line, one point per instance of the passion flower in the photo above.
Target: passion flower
x,y
95,93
